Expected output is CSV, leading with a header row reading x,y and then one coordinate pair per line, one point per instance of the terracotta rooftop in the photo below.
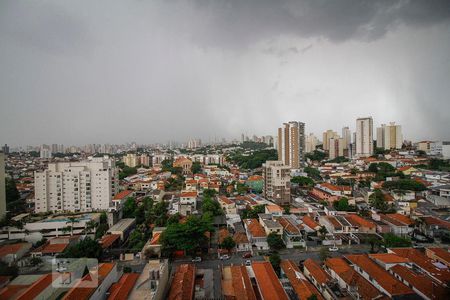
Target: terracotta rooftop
x,y
121,289
225,200
401,218
302,287
316,271
11,249
12,291
289,227
255,228
123,194
33,291
155,238
421,282
308,221
381,276
49,248
432,221
188,194
240,238
268,282
236,283
182,287
441,253
223,233
356,220
423,262
273,208
108,240
388,258
79,291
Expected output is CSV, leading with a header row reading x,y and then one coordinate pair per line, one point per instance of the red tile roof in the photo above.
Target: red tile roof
x,y
155,238
401,218
423,262
122,195
49,248
388,258
11,249
239,286
182,287
268,282
421,282
432,221
108,240
356,220
255,228
188,194
308,221
121,289
225,200
381,276
240,238
302,287
80,291
37,287
12,291
316,271
441,253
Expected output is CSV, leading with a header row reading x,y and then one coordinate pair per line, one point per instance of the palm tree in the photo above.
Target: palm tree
x,y
72,221
90,226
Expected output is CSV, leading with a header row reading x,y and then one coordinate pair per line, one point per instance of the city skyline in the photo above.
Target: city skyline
x,y
168,71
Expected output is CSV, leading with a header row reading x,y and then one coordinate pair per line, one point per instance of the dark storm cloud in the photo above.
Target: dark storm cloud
x,y
113,71
236,23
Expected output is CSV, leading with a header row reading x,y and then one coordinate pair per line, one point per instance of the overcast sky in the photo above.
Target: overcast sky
x,y
77,72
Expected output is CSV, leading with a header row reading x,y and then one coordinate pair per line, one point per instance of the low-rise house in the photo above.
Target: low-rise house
x,y
423,285
399,224
299,284
109,241
272,226
236,283
350,280
433,227
440,195
55,246
274,210
242,242
269,285
439,254
388,260
152,282
153,246
329,192
122,288
292,232
228,205
188,197
256,234
316,274
310,225
14,252
120,198
183,283
378,277
123,228
106,275
425,264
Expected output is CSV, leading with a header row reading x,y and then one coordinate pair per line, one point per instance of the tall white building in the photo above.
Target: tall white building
x,y
327,135
336,146
311,142
76,186
347,136
389,136
45,152
291,143
364,137
2,186
131,160
277,182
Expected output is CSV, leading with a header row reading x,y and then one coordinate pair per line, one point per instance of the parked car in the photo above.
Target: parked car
x,y
247,255
225,257
333,249
197,259
248,262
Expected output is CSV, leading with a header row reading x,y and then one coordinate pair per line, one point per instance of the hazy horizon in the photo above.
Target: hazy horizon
x,y
77,73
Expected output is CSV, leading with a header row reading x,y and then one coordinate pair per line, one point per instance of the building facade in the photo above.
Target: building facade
x,y
364,137
2,186
277,184
76,186
291,144
389,136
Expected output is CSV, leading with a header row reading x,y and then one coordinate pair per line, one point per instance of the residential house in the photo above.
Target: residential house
x,y
256,234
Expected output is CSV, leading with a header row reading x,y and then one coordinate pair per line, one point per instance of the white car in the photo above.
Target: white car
x,y
197,259
248,262
225,257
333,249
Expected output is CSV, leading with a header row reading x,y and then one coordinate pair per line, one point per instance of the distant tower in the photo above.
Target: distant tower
x,y
364,137
291,143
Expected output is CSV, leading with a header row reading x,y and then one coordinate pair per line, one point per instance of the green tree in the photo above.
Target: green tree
x,y
341,204
377,200
127,171
196,167
313,173
129,208
324,253
14,203
228,243
209,193
212,206
404,185
312,297
275,242
316,155
8,270
84,248
392,241
275,261
302,181
252,213
136,240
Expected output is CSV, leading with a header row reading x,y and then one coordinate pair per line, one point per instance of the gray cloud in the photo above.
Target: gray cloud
x,y
114,71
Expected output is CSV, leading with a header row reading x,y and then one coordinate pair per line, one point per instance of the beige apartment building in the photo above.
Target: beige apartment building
x,y
389,136
364,137
277,182
327,135
291,144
